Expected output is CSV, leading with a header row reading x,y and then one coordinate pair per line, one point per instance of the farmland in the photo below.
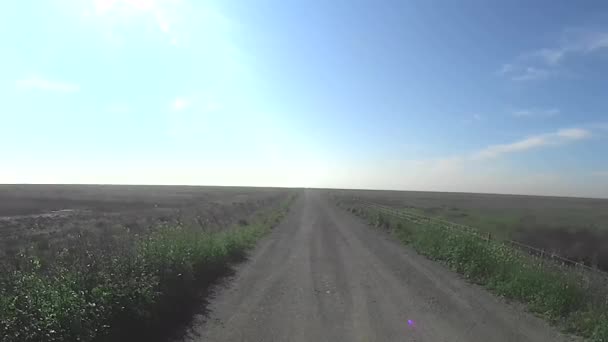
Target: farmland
x,y
564,291
129,263
50,217
576,228
94,263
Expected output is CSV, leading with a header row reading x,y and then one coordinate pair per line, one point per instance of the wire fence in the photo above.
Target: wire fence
x,y
543,254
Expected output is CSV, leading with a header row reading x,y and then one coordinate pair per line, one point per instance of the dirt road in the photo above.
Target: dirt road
x,y
323,275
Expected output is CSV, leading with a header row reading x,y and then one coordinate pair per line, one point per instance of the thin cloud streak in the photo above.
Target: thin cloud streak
x,y
450,166
38,83
518,73
562,136
546,62
574,42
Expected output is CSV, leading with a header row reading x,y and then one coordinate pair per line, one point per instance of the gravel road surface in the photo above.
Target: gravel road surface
x,y
323,275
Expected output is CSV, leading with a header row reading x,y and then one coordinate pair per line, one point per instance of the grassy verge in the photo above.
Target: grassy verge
x,y
136,291
557,293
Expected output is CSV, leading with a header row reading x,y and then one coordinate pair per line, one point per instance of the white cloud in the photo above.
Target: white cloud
x,y
39,83
536,113
545,62
574,133
473,171
550,139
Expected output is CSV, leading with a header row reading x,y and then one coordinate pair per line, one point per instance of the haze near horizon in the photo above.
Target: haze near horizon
x,y
468,96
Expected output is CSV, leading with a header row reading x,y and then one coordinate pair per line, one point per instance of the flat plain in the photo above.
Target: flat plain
x,y
49,217
575,228
318,272
120,263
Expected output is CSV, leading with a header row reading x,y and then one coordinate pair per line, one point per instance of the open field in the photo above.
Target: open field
x,y
576,228
49,217
106,263
572,297
97,263
37,199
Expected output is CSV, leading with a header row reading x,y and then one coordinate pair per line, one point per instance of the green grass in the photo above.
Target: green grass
x,y
501,223
127,292
554,292
504,222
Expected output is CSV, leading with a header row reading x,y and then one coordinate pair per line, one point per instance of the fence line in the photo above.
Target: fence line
x,y
404,214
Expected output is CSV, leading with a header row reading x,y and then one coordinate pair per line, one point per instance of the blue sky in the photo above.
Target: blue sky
x,y
477,96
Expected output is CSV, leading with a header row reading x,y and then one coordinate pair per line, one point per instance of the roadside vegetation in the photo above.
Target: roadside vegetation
x,y
126,292
574,228
571,298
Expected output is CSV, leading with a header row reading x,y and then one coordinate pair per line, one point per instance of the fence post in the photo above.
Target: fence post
x,y
542,256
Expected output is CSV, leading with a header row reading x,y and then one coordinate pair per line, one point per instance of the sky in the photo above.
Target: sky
x,y
472,96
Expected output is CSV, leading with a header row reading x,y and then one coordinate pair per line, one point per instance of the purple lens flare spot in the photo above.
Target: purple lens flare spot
x,y
411,323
